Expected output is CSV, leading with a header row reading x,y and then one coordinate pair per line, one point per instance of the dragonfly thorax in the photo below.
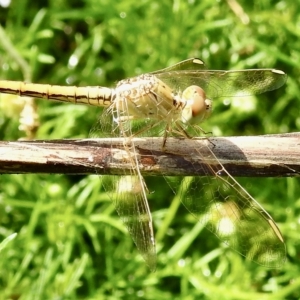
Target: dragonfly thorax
x,y
144,96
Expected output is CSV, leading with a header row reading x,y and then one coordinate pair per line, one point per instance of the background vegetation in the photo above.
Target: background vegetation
x,y
70,243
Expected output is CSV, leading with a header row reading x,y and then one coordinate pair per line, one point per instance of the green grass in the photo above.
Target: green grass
x,y
70,243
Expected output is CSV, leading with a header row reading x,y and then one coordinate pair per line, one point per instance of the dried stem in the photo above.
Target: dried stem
x,y
255,156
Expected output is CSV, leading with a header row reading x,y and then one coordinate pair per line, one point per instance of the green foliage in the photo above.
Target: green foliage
x,y
70,244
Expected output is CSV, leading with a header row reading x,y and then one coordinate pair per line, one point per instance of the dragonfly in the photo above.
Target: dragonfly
x,y
177,99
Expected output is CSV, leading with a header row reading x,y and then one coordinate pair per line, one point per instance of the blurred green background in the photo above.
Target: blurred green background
x,y
71,243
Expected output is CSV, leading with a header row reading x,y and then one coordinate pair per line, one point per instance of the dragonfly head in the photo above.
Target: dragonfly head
x,y
197,107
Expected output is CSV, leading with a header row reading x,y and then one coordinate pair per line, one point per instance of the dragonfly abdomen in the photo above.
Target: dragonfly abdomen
x,y
96,96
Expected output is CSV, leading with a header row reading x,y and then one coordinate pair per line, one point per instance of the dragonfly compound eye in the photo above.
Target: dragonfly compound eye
x,y
198,106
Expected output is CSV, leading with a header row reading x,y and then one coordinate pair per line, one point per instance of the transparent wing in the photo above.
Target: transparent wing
x,y
218,83
134,211
129,192
230,212
235,218
188,64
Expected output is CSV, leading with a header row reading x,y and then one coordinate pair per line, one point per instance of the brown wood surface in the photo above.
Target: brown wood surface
x,y
255,156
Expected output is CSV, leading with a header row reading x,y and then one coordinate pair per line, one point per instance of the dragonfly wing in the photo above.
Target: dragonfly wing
x,y
230,212
217,83
134,211
128,192
188,64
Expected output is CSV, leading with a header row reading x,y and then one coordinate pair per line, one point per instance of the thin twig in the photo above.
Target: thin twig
x,y
255,156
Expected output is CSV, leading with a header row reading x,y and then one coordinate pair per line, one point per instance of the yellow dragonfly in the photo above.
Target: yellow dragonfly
x,y
176,98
